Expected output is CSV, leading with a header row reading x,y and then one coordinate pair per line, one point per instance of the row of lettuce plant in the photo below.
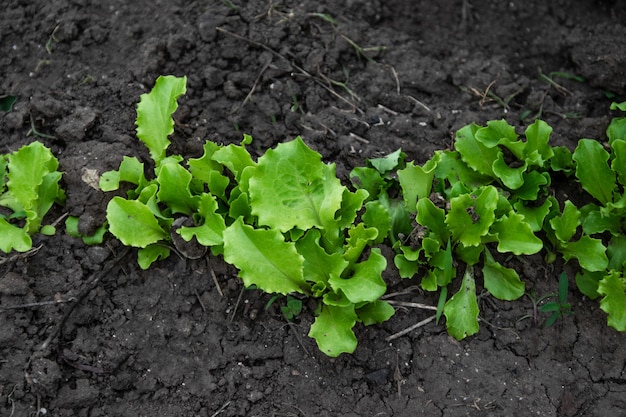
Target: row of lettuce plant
x,y
289,226
492,194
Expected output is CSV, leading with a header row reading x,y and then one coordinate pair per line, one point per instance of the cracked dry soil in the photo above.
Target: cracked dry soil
x,y
173,341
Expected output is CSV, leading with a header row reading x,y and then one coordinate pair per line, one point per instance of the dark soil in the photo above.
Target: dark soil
x,y
167,342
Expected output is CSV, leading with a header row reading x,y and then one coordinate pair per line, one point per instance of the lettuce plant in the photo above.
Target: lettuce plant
x,y
602,174
285,221
467,204
491,195
29,186
144,218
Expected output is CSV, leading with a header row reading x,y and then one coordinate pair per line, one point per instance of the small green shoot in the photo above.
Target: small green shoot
x,y
291,308
558,308
7,102
34,132
536,302
231,5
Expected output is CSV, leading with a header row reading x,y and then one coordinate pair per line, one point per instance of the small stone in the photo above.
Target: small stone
x,y
207,24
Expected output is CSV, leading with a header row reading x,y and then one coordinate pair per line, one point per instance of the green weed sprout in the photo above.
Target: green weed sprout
x,y
558,308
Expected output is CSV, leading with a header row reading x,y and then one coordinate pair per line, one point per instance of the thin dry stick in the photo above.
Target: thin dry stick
x,y
293,327
410,304
222,408
410,329
34,305
200,301
4,260
407,291
111,266
357,137
387,109
253,89
332,82
395,77
419,103
486,93
217,284
300,69
237,304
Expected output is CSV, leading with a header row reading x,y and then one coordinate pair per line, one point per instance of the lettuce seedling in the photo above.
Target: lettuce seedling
x,y
285,221
144,218
302,238
29,186
602,174
464,204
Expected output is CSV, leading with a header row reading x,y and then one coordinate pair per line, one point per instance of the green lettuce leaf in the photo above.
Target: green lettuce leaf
x,y
512,178
150,254
461,310
565,225
27,169
33,185
537,150
332,330
515,235
389,162
477,155
417,181
588,282
359,237
377,217
236,158
319,266
210,232
366,283
619,160
503,283
471,215
292,188
13,238
133,223
613,288
375,312
154,114
590,252
499,132
174,191
264,258
593,171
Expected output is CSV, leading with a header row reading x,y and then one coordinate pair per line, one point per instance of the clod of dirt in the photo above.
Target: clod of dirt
x,y
600,53
44,376
13,284
75,126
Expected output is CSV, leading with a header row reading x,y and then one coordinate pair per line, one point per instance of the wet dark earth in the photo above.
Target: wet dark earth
x,y
85,332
